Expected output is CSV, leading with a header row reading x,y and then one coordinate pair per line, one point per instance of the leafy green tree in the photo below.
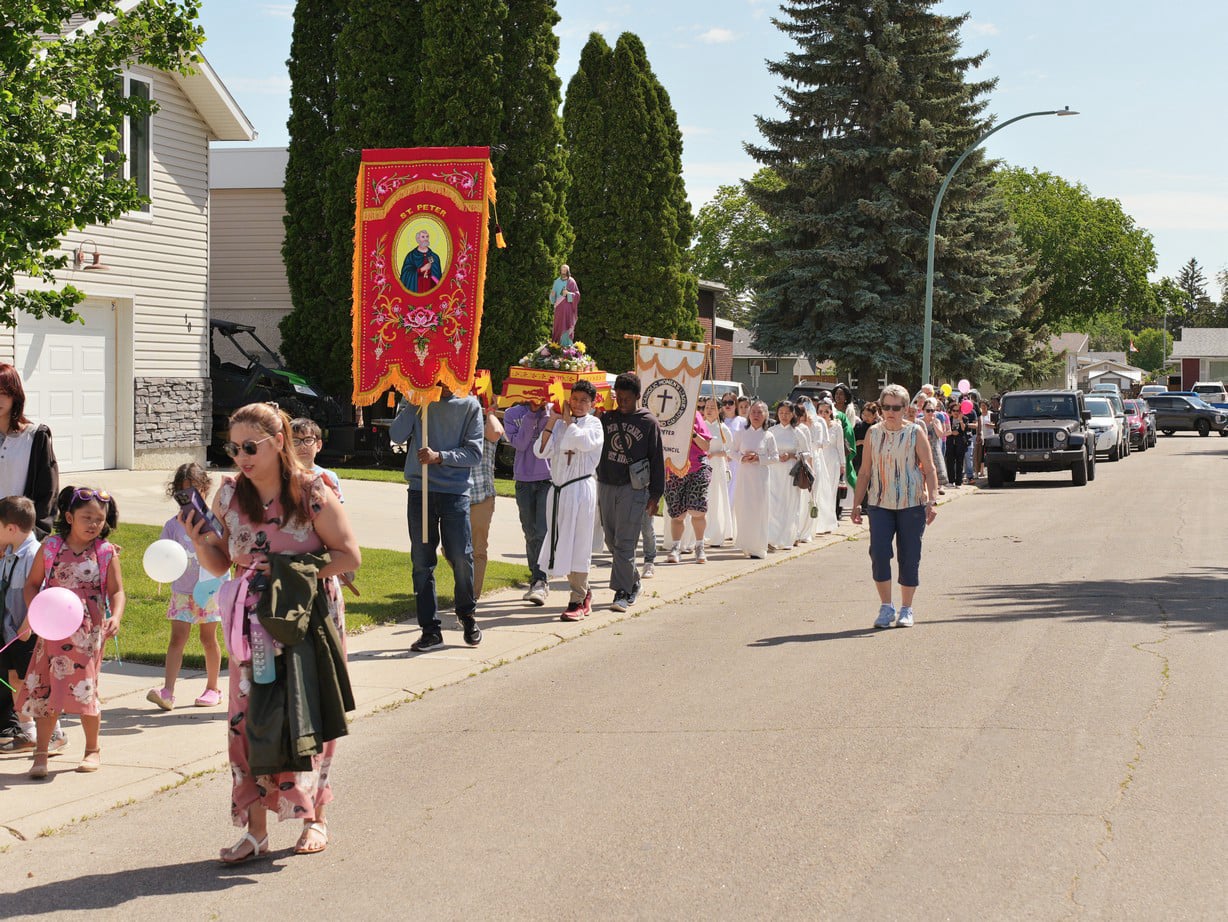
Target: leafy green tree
x,y
877,104
530,164
730,233
61,114
307,250
1092,256
627,203
1153,347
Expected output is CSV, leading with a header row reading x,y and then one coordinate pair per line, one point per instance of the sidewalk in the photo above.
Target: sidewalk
x,y
146,750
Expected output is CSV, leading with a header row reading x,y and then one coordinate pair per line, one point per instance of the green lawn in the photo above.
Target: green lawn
x,y
384,580
392,475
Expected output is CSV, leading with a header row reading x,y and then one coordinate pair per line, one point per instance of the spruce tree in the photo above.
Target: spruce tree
x,y
877,106
530,165
307,247
627,203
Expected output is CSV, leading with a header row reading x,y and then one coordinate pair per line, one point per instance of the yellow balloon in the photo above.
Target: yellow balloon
x,y
946,390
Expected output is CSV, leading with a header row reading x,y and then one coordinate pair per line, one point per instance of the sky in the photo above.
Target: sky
x,y
1147,78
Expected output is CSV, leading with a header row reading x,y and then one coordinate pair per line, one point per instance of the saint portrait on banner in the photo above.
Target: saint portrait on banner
x,y
422,269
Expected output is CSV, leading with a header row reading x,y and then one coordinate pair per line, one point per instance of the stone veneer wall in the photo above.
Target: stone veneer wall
x,y
172,413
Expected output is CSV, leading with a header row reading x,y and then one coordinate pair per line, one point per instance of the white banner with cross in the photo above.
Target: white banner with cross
x,y
670,372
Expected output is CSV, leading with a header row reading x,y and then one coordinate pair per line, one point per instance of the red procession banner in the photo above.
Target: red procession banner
x,y
419,270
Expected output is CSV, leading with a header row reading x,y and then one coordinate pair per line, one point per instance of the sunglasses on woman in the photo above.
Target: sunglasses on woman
x,y
85,495
892,407
248,448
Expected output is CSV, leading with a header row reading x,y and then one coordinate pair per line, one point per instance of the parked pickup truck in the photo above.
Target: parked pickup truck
x,y
1041,431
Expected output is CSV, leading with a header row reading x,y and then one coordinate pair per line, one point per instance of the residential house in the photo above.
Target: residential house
x,y
769,377
1071,348
129,387
1110,371
1203,354
247,277
718,332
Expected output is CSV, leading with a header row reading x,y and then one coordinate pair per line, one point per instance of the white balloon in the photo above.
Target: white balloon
x,y
165,561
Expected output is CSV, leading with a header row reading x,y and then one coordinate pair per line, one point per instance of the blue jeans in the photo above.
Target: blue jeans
x,y
903,528
531,498
447,517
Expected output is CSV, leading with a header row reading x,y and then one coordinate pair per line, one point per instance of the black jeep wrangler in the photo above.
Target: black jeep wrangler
x,y
1041,431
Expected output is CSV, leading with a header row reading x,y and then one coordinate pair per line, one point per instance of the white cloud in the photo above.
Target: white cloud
x,y
278,10
717,36
1187,211
276,85
981,28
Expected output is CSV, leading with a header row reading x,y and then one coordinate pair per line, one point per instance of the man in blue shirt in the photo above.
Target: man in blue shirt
x,y
453,447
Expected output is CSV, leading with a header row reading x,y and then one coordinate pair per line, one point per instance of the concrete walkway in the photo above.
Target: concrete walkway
x,y
146,750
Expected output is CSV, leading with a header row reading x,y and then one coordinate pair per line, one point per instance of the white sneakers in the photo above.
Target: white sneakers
x,y
675,554
538,592
886,615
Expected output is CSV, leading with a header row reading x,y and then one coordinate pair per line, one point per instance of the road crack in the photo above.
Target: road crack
x,y
1150,648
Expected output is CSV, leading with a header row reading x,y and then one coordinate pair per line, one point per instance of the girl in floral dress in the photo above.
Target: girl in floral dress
x,y
63,674
274,505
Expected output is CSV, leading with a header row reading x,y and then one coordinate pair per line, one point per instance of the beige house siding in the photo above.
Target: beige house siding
x,y
161,258
247,278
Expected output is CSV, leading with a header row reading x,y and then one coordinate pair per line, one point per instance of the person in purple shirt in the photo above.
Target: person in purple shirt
x,y
523,425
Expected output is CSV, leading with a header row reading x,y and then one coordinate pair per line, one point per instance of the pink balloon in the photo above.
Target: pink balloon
x,y
56,613
965,406
964,385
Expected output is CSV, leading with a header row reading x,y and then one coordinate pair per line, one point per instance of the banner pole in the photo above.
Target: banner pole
x,y
425,477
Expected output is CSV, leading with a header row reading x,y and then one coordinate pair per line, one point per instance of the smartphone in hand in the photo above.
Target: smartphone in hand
x,y
190,500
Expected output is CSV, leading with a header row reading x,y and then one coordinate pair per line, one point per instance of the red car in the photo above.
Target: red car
x,y
1142,430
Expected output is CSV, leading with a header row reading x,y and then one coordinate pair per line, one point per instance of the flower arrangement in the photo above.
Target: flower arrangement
x,y
554,357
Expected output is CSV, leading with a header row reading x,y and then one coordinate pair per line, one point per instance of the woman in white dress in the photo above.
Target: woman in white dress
x,y
720,507
823,500
784,499
833,464
755,449
735,424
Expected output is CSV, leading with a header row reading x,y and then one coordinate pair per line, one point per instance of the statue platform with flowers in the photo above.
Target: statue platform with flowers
x,y
547,373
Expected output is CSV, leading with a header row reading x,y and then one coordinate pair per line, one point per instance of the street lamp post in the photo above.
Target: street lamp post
x,y
929,261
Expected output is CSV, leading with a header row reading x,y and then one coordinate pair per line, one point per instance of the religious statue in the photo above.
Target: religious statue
x,y
565,296
422,268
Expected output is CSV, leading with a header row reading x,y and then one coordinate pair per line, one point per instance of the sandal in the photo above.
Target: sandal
x,y
91,761
39,768
320,829
258,850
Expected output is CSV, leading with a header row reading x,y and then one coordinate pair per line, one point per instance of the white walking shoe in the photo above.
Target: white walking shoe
x,y
905,619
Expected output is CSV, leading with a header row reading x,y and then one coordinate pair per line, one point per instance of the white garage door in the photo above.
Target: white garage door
x,y
68,370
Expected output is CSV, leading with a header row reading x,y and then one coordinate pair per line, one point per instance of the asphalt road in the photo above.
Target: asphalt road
x,y
1049,742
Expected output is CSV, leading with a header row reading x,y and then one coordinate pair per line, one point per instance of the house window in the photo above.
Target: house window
x,y
766,366
137,142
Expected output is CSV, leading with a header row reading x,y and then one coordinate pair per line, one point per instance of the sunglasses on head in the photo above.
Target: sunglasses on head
x,y
85,495
248,448
892,407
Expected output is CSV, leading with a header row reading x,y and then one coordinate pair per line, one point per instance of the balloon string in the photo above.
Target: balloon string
x,y
8,686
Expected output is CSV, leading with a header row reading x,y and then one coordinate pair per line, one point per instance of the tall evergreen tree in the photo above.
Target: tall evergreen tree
x,y
461,64
378,53
531,172
627,203
307,247
877,105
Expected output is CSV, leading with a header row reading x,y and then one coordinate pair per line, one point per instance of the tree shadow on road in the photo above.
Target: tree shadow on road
x,y
1196,600
115,888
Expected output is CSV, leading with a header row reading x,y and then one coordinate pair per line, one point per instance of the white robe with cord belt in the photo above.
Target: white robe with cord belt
x,y
572,509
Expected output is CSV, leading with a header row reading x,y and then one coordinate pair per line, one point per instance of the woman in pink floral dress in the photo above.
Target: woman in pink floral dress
x,y
62,677
276,506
